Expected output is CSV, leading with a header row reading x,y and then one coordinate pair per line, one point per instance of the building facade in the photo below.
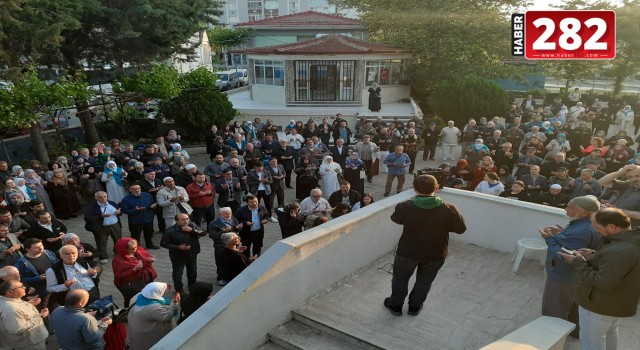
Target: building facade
x,y
239,11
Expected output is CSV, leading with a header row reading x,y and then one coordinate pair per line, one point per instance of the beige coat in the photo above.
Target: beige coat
x,y
21,326
169,208
148,324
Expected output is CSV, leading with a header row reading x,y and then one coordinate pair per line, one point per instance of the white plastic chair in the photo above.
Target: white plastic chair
x,y
534,245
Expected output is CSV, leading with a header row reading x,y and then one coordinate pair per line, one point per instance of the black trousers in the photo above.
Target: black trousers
x,y
129,290
262,194
276,192
161,224
412,158
206,213
287,178
429,152
368,168
252,239
146,228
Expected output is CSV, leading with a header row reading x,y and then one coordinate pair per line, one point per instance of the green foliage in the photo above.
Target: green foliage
x,y
161,81
199,105
462,98
450,38
536,93
224,37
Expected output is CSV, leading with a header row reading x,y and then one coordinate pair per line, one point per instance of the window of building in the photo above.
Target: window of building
x,y
269,72
232,6
294,6
386,72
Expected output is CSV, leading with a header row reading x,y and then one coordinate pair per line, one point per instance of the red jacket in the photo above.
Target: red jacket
x,y
198,201
123,265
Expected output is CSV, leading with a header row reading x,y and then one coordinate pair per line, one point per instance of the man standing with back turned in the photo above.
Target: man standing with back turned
x,y
427,221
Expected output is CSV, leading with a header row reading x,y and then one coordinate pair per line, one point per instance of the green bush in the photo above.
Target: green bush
x,y
470,97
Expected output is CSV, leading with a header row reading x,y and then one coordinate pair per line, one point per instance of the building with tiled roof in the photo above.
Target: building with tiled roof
x,y
330,70
301,26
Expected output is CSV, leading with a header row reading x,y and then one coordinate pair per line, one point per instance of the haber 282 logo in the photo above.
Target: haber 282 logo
x,y
568,35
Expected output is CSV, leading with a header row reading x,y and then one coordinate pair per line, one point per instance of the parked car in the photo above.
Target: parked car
x,y
231,79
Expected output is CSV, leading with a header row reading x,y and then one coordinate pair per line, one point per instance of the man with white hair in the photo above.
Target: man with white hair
x,y
233,259
574,115
224,224
315,204
173,200
562,282
450,135
9,273
70,273
102,218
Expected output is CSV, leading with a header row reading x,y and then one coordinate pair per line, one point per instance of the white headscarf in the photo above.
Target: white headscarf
x,y
154,290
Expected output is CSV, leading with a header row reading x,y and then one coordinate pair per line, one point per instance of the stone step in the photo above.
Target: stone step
x,y
295,335
271,346
359,328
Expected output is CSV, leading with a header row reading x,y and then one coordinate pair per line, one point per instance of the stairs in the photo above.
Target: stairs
x,y
321,325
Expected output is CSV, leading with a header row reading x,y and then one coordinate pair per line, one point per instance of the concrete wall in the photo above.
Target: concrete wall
x,y
269,94
295,269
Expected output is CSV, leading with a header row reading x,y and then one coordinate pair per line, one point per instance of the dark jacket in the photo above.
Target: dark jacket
x,y
233,263
289,225
609,279
276,184
336,197
253,181
136,217
37,231
339,157
61,277
283,154
173,237
244,217
217,227
145,186
223,194
422,244
93,216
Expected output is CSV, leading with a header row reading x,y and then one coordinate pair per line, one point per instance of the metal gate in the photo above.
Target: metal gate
x,y
324,80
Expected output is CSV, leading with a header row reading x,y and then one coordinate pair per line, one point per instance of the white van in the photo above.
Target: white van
x,y
231,79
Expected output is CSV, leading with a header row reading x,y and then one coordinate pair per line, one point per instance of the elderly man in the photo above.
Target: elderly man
x,y
609,288
397,164
229,189
102,218
21,324
315,204
152,185
233,154
183,241
285,155
49,230
173,200
554,197
140,208
550,168
629,198
339,152
9,273
586,185
344,195
234,259
525,162
450,135
253,217
223,224
71,273
76,329
562,282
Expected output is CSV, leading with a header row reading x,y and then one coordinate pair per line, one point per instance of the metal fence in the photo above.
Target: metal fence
x,y
324,80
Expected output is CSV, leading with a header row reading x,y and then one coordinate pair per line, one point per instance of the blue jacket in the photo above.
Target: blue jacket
x,y
77,330
30,276
136,217
578,234
401,162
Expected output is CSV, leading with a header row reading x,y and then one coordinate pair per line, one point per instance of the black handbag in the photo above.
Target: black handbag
x,y
122,315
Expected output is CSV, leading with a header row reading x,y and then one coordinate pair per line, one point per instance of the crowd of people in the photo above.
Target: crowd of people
x,y
545,154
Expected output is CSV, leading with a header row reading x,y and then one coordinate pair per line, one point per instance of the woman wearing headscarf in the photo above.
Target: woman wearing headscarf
x,y
290,126
306,177
329,171
36,184
149,320
16,171
460,171
63,196
113,176
353,167
132,268
85,250
559,144
27,193
178,148
476,151
199,293
90,183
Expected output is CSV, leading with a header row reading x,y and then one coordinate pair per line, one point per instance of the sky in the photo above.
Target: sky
x,y
546,4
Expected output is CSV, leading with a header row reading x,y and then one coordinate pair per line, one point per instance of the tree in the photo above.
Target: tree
x,y
118,32
450,38
30,99
459,98
225,38
571,70
199,104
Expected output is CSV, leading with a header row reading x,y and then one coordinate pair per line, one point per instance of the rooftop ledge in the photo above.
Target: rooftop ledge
x,y
344,266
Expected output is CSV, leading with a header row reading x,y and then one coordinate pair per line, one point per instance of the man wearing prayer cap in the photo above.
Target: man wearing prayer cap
x,y
174,200
554,197
562,281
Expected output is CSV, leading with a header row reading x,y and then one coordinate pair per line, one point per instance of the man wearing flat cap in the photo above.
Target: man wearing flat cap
x,y
562,281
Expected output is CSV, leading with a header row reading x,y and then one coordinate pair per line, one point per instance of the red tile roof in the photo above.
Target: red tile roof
x,y
308,19
328,44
